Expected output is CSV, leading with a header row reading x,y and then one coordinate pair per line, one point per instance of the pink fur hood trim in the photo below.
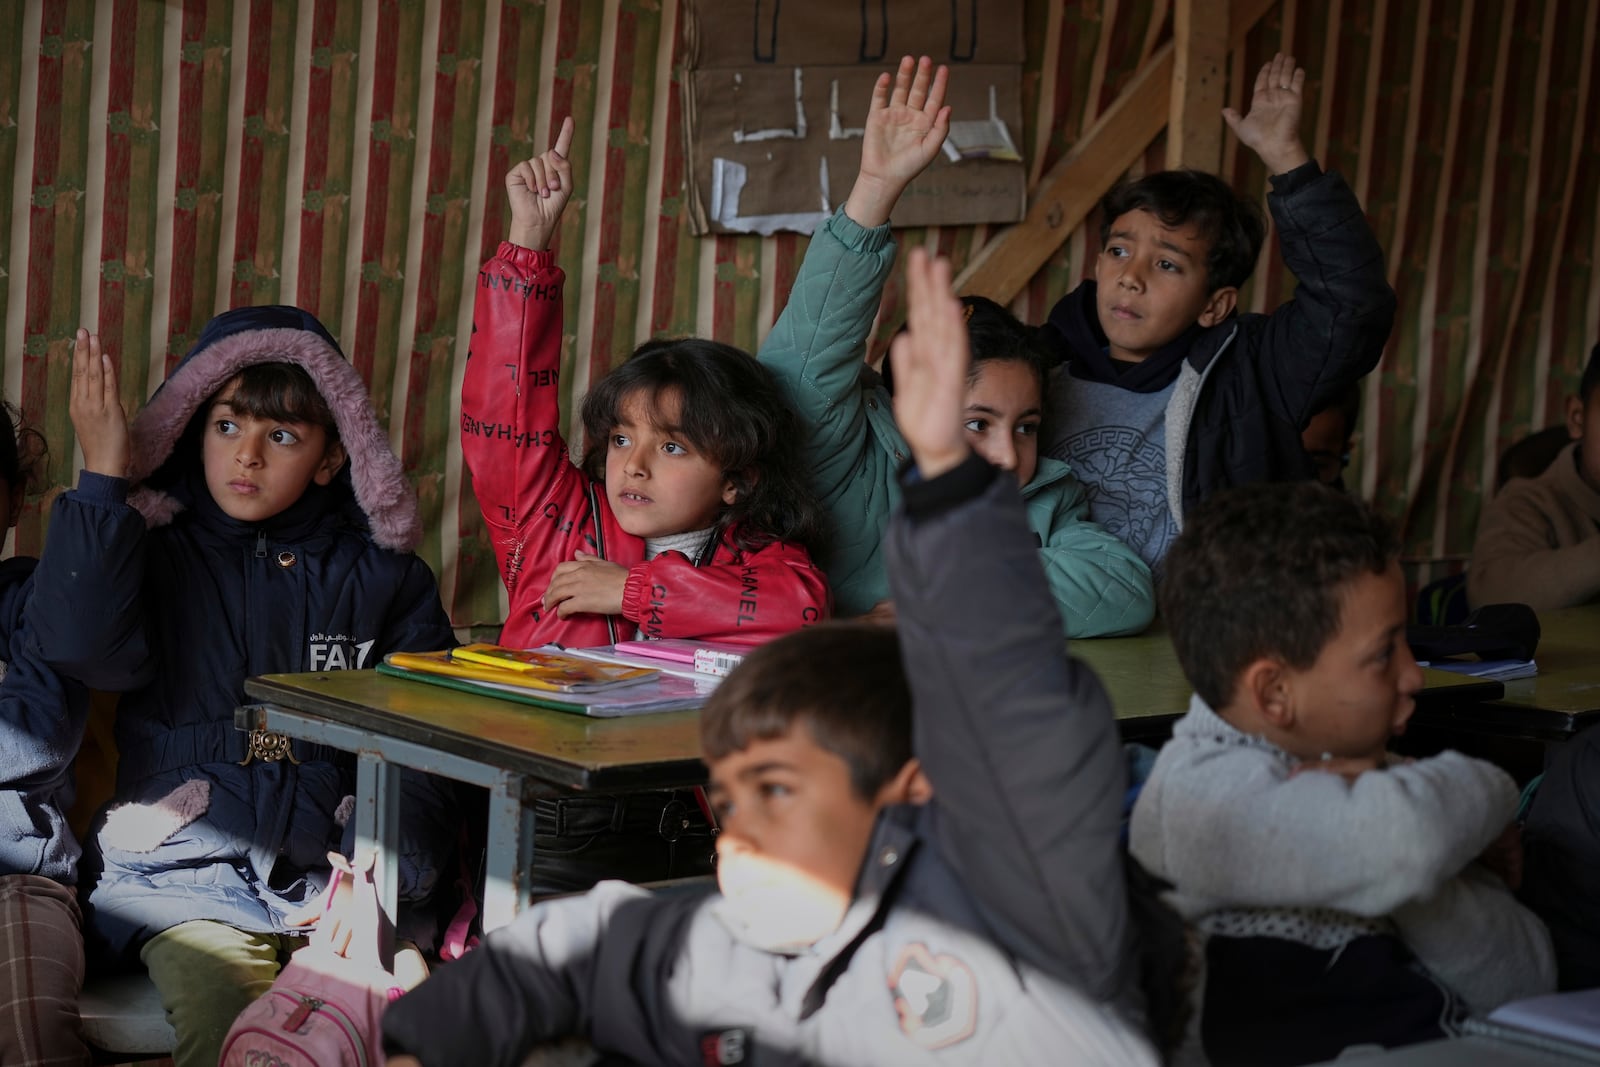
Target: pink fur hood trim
x,y
380,483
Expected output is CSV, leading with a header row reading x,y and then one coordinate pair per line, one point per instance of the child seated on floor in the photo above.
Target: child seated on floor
x,y
851,443
691,517
1338,890
1539,538
854,926
1167,394
279,533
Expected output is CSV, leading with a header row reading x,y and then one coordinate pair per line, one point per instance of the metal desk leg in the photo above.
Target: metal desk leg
x,y
378,824
510,859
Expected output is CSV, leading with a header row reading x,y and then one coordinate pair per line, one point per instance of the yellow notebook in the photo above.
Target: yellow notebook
x,y
549,671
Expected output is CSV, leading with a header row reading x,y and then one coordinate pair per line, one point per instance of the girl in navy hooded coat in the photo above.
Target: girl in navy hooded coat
x,y
280,528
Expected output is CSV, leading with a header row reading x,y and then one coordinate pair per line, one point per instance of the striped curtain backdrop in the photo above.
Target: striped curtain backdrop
x,y
169,160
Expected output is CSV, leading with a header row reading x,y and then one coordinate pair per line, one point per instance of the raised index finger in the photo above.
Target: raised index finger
x,y
564,138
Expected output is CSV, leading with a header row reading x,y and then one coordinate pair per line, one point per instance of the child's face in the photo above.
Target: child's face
x,y
656,481
256,468
1361,689
794,833
1583,423
1151,285
1003,414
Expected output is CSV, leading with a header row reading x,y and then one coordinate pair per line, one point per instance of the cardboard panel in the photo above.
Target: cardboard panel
x,y
776,96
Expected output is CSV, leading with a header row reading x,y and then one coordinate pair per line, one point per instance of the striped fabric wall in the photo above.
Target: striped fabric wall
x,y
169,160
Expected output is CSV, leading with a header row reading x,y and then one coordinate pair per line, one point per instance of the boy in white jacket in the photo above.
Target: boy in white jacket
x,y
1344,897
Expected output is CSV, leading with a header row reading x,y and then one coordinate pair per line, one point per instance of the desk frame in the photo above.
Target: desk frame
x,y
510,852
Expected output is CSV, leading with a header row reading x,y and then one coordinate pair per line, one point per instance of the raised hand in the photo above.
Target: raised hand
x,y
1271,129
96,408
930,368
905,129
538,190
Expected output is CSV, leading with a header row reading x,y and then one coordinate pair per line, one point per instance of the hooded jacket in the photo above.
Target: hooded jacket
x,y
197,829
855,449
540,509
1248,385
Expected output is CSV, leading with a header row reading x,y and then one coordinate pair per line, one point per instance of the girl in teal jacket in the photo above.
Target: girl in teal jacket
x,y
852,445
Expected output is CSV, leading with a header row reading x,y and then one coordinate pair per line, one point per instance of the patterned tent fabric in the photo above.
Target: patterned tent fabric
x,y
168,160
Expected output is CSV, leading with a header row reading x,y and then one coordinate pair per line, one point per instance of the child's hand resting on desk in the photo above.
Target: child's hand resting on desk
x,y
1271,129
538,190
930,368
905,129
586,584
96,409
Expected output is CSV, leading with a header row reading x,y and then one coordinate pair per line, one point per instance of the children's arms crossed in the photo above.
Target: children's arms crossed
x,y
1367,845
1474,936
762,595
1016,737
510,397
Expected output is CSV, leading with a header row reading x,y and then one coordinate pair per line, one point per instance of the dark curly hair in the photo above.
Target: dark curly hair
x,y
859,708
1258,571
993,333
731,410
22,452
1233,226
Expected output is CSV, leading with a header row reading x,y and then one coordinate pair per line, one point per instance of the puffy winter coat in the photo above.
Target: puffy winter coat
x,y
199,828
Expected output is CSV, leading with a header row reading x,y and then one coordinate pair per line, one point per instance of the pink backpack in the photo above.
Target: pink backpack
x,y
326,1007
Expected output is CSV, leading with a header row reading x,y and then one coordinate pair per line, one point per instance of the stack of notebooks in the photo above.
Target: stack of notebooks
x,y
552,678
1498,670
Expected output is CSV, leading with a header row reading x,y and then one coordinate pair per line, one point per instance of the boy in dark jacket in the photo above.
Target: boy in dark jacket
x,y
1166,394
280,528
856,926
42,718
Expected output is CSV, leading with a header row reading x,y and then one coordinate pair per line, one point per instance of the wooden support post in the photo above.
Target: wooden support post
x,y
1073,186
1199,63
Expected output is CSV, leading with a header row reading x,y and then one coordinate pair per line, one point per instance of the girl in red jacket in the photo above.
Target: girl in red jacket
x,y
691,516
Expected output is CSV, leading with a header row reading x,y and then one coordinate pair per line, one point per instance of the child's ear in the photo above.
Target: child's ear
x,y
1219,305
908,786
19,497
1264,684
736,485
1574,417
332,460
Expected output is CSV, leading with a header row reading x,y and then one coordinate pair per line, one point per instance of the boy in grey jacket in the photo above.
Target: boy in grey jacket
x,y
1346,897
856,925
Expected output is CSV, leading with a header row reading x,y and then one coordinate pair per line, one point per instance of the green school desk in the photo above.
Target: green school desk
x,y
1561,700
518,753
1149,692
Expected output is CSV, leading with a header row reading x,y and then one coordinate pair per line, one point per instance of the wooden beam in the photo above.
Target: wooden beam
x,y
1199,59
1076,183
